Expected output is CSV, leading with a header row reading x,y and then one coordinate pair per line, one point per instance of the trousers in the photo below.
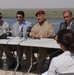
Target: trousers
x,y
42,53
1,51
10,57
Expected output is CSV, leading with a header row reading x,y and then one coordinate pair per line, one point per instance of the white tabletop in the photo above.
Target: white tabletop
x,y
43,42
11,40
4,41
15,41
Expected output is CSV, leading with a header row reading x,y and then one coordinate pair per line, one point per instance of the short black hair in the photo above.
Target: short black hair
x,y
66,38
0,13
21,13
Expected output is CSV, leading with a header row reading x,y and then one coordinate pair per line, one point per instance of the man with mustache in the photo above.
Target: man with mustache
x,y
68,21
42,29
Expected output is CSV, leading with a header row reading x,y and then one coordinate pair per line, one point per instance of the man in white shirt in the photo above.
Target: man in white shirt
x,y
63,63
4,28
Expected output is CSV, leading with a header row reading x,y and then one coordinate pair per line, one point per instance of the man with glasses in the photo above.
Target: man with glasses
x,y
18,29
22,23
68,21
4,28
67,24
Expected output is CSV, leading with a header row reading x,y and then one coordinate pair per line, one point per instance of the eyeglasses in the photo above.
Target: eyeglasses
x,y
66,16
18,17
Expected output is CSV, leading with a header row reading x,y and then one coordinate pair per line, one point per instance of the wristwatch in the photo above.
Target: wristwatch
x,y
41,36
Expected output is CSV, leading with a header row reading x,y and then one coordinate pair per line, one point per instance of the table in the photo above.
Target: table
x,y
12,41
43,42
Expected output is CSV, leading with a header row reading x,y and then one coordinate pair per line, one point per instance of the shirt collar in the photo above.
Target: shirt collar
x,y
71,22
22,24
67,53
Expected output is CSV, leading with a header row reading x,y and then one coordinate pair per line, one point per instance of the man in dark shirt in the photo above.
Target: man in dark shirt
x,y
67,24
68,21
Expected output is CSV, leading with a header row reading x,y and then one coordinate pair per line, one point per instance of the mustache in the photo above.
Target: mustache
x,y
39,19
18,19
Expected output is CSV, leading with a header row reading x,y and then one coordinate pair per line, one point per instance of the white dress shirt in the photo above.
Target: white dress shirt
x,y
4,27
61,64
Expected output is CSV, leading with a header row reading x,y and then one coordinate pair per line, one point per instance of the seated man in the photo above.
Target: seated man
x,y
68,21
18,29
4,29
67,24
42,29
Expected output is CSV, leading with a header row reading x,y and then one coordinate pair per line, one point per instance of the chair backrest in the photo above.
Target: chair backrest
x,y
67,74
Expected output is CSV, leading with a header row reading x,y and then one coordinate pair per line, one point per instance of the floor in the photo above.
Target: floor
x,y
23,71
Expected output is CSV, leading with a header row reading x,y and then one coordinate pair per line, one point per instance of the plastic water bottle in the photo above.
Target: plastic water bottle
x,y
5,66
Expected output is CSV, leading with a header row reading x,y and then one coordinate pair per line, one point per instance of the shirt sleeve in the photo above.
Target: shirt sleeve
x,y
33,30
51,32
6,26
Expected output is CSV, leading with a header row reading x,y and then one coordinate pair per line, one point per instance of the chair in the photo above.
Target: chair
x,y
52,52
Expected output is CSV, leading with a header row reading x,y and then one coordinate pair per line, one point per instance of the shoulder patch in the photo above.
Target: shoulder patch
x,y
51,23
